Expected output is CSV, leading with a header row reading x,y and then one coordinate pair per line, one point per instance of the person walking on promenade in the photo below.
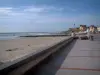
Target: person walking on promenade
x,y
73,34
89,35
88,32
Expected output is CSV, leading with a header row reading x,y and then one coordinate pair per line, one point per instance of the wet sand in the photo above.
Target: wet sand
x,y
12,49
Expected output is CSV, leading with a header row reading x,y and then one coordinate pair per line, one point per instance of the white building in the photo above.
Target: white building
x,y
98,28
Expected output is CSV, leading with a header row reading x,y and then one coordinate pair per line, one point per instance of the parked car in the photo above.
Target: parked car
x,y
83,35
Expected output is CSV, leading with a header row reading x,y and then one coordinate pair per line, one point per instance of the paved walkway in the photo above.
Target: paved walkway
x,y
82,57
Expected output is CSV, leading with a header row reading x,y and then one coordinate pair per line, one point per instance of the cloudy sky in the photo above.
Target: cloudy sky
x,y
47,15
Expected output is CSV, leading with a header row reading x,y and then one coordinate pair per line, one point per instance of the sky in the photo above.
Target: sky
x,y
47,15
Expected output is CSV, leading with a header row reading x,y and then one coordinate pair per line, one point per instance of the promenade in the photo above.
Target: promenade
x,y
84,58
81,57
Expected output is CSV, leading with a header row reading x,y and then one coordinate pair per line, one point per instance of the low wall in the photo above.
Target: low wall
x,y
22,65
45,35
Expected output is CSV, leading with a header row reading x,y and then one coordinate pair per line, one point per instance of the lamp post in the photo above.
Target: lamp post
x,y
74,25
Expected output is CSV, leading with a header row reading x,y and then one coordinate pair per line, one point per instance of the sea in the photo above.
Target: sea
x,y
8,36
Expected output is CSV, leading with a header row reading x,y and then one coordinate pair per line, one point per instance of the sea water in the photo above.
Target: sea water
x,y
7,36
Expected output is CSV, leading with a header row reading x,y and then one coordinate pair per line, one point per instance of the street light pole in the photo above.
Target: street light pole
x,y
74,25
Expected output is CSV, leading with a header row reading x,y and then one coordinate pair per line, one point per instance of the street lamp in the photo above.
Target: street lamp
x,y
74,25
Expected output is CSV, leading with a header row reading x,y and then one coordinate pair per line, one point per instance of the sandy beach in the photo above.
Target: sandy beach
x,y
12,49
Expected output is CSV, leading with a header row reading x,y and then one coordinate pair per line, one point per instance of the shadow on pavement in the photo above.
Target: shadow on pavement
x,y
52,64
97,37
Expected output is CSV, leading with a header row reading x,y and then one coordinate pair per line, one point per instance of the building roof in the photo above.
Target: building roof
x,y
83,25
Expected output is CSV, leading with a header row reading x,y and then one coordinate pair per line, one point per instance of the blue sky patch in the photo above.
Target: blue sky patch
x,y
47,15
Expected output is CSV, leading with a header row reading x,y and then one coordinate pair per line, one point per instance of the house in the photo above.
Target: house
x,y
98,28
74,29
93,28
83,28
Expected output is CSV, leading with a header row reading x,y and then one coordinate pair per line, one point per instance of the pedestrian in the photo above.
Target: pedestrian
x,y
88,32
73,34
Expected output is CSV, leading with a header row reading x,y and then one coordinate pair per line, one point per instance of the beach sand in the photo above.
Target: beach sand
x,y
16,48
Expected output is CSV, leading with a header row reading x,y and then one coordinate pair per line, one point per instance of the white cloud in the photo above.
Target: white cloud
x,y
33,9
52,8
5,11
6,8
9,11
42,9
32,17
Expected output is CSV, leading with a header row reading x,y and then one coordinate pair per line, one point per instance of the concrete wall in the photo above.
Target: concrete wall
x,y
21,66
